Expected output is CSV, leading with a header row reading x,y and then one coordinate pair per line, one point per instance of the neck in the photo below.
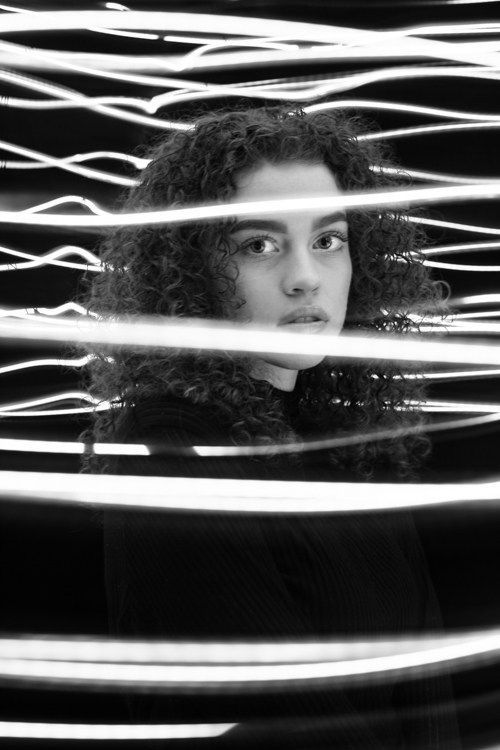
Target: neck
x,y
279,377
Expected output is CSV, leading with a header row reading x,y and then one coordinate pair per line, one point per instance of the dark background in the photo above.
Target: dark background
x,y
51,578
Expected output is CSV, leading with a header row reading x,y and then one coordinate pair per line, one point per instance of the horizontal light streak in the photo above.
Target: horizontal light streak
x,y
118,449
472,315
462,267
52,731
52,258
70,395
385,135
467,326
454,374
62,200
417,174
440,29
57,412
460,407
476,299
349,200
135,161
55,648
49,311
48,362
66,165
16,102
222,24
72,447
86,102
465,247
381,105
265,91
204,495
456,655
196,333
454,225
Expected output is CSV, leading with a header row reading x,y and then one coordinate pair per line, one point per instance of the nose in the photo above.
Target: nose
x,y
301,274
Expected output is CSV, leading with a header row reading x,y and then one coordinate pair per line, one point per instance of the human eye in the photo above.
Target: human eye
x,y
330,241
259,246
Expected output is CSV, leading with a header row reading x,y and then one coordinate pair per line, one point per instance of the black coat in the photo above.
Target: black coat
x,y
228,576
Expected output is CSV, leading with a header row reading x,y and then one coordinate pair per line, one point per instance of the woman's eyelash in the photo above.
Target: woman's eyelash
x,y
334,233
342,236
261,238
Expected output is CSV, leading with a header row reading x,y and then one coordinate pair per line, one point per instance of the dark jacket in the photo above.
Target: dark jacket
x,y
213,577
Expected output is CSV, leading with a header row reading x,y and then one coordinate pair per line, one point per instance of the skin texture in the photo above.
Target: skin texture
x,y
303,262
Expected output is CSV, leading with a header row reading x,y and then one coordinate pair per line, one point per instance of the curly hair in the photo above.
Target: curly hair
x,y
167,270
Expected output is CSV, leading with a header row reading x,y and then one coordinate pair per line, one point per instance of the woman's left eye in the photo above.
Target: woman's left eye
x,y
330,241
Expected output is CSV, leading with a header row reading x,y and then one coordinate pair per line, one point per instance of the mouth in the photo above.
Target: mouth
x,y
305,316
306,322
305,319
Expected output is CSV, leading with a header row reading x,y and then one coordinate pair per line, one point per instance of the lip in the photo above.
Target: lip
x,y
299,312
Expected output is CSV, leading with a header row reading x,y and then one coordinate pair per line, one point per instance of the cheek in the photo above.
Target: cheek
x,y
257,292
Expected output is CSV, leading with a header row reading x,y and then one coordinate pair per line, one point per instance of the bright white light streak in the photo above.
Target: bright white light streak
x,y
355,80
290,92
465,247
228,43
266,91
476,299
454,29
460,407
454,225
45,731
238,496
470,2
428,130
434,176
48,362
62,61
461,266
222,24
377,104
128,34
72,447
51,312
135,161
54,398
454,655
57,412
482,314
87,102
121,101
393,197
95,174
466,326
52,259
91,205
453,375
54,648
186,333
49,446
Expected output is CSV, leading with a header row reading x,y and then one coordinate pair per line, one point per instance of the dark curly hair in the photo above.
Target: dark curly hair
x,y
165,269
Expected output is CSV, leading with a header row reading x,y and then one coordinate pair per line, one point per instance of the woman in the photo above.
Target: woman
x,y
176,576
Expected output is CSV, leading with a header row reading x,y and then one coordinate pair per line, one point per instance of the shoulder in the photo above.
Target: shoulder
x,y
163,417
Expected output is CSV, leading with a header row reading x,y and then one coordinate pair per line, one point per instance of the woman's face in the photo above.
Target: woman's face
x,y
294,268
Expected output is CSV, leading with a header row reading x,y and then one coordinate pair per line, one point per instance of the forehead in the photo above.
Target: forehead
x,y
285,180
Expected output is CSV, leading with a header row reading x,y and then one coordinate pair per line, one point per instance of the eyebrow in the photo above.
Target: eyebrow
x,y
271,225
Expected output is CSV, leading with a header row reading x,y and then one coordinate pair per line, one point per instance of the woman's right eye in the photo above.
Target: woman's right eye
x,y
259,246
